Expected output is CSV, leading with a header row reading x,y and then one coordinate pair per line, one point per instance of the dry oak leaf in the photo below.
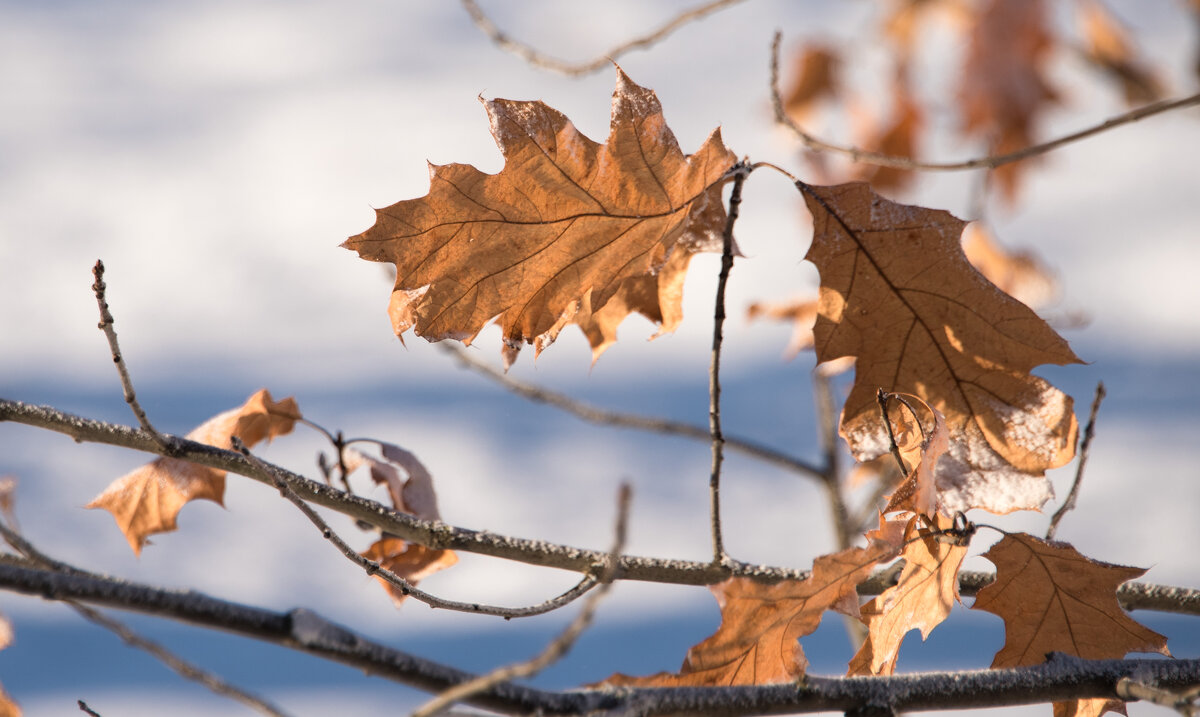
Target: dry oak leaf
x,y
566,219
921,452
414,495
897,292
1003,88
921,599
757,642
147,500
1052,599
816,79
897,136
1109,47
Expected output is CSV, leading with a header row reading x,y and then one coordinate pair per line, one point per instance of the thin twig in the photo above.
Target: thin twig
x,y
739,173
1084,444
106,325
626,420
182,667
83,707
375,569
988,162
574,69
1185,703
561,644
436,534
827,420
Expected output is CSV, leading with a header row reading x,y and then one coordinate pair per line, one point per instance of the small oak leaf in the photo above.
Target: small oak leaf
x,y
921,599
758,640
1052,599
408,560
897,293
816,78
566,220
918,492
1109,47
146,500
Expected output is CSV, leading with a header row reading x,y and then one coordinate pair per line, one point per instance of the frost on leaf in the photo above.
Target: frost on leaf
x,y
921,598
897,293
567,221
757,642
410,493
147,500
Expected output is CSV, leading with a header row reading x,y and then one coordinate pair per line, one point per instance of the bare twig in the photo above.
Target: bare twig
x,y
375,569
988,162
1185,703
436,534
574,69
181,667
83,707
106,325
561,644
827,420
1084,444
717,439
626,420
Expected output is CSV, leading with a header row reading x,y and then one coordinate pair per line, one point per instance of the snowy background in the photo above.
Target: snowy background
x,y
215,153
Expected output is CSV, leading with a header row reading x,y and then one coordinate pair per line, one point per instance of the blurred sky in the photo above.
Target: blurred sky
x,y
215,153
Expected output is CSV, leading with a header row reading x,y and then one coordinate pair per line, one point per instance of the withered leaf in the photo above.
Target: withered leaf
x,y
566,220
1052,599
147,500
408,560
897,292
757,642
816,78
921,452
1110,48
1020,274
921,599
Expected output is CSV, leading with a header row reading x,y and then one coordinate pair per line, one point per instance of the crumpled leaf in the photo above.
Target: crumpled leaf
x,y
566,219
921,452
897,293
414,495
1004,87
146,500
1052,599
921,599
757,642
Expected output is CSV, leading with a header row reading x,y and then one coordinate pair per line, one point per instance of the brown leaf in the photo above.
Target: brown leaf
x,y
566,219
896,136
800,313
897,292
147,500
921,599
921,452
816,79
757,642
408,560
413,495
1110,49
1088,708
1017,273
1052,599
1004,89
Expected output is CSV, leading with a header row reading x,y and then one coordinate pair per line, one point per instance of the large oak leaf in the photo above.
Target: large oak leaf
x,y
566,220
897,292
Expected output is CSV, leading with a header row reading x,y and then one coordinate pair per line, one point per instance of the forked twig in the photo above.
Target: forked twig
x,y
880,159
574,69
1084,444
561,644
182,667
375,569
106,325
1186,703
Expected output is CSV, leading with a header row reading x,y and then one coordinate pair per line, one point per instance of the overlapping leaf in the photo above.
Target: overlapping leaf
x,y
147,500
920,600
757,642
897,293
566,221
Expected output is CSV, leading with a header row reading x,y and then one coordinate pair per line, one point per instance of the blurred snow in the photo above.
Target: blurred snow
x,y
214,154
